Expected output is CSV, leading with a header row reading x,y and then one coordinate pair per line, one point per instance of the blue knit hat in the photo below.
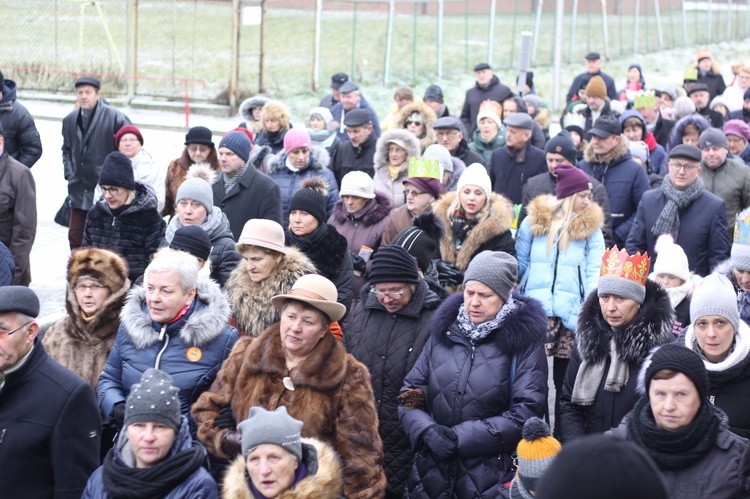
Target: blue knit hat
x,y
237,142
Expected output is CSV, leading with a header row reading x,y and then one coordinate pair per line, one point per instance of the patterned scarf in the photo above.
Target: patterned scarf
x,y
478,332
229,182
461,227
669,218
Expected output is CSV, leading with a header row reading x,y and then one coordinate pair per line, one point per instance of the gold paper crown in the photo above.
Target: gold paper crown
x,y
491,106
690,74
645,99
617,263
424,167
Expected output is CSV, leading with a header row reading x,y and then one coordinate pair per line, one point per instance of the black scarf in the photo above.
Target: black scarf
x,y
673,450
309,241
461,227
123,482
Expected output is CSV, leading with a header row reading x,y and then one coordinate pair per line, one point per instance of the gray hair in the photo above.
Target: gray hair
x,y
183,264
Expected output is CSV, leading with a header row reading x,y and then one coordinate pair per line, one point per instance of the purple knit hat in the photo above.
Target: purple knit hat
x,y
570,180
738,128
431,186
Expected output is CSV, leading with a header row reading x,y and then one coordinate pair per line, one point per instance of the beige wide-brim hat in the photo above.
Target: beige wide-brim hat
x,y
316,291
264,233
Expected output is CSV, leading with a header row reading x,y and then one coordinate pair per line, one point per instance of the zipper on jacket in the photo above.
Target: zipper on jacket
x,y
580,284
554,270
165,338
2,435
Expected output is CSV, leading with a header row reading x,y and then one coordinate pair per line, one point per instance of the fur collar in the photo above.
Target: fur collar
x,y
580,228
371,214
207,321
323,479
521,329
618,152
380,159
497,220
650,328
329,253
259,156
251,302
319,155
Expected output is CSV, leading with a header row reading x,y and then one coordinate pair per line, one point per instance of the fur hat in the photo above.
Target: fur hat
x,y
197,186
154,400
476,174
105,266
117,171
596,88
311,198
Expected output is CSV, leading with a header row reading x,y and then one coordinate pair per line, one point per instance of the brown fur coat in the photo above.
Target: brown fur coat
x,y
495,222
429,117
84,346
323,479
176,173
332,397
252,311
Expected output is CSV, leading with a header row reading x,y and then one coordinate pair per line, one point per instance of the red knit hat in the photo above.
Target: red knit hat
x,y
128,129
570,180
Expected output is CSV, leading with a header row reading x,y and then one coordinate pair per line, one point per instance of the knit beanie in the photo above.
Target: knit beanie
x,y
596,88
277,428
128,129
296,138
357,183
713,137
670,258
421,239
324,113
738,128
624,275
393,263
536,451
475,174
570,180
741,245
197,186
534,100
496,270
154,400
435,93
117,171
639,150
562,144
715,295
237,142
683,106
599,466
442,155
675,357
192,239
311,198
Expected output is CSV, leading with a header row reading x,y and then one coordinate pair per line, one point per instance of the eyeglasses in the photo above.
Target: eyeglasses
x,y
388,294
4,333
413,192
112,191
196,148
87,287
679,166
445,135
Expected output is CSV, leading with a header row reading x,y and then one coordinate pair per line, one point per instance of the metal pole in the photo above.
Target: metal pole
x,y
659,34
635,26
389,42
466,35
708,21
414,46
234,74
491,33
573,30
684,23
316,54
524,58
354,40
557,74
538,21
747,19
262,58
605,29
131,62
512,36
441,13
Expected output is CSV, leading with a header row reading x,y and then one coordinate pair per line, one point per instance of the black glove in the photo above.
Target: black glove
x,y
359,264
225,419
231,443
448,274
119,414
442,442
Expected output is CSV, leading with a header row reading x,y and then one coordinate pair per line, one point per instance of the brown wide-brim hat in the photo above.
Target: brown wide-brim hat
x,y
263,233
316,291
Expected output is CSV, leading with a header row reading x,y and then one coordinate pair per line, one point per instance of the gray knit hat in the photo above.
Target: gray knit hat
x,y
619,286
197,186
266,427
715,296
154,400
495,269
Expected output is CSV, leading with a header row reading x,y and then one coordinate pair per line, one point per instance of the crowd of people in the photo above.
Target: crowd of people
x,y
361,306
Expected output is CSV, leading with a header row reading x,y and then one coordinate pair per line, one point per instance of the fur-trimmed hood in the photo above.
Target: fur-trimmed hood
x,y
372,213
580,228
380,159
496,220
651,327
675,136
428,116
250,302
323,480
543,117
619,152
246,108
206,322
319,160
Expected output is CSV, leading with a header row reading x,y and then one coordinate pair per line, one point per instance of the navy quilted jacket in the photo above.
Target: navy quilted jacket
x,y
7,266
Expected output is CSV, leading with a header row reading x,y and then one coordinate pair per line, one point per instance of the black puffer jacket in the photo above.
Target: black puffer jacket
x,y
650,328
22,139
388,345
134,231
468,388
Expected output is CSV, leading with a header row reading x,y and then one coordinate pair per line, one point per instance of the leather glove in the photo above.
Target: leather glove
x,y
442,442
119,414
359,264
225,419
231,442
448,274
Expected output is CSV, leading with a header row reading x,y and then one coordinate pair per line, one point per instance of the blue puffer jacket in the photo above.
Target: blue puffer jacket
x,y
468,388
560,280
289,181
191,349
198,485
625,181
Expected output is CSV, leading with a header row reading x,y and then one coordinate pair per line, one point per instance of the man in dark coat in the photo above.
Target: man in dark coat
x,y
356,154
22,139
333,98
450,134
386,332
351,99
242,192
516,162
593,68
487,86
17,212
698,221
607,159
88,135
597,105
701,97
49,420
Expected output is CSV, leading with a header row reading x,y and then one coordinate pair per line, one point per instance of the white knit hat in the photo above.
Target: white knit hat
x,y
359,184
670,258
475,174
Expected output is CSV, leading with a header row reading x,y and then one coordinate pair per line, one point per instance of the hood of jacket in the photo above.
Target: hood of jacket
x,y
734,364
209,317
651,327
620,152
458,169
580,228
246,108
428,116
216,226
9,92
372,213
380,159
323,480
675,136
319,160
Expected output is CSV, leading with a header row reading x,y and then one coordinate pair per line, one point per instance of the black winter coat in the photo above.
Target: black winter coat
x,y
475,96
49,430
348,158
583,79
713,117
83,153
714,82
651,327
134,231
388,345
509,176
22,140
466,155
468,388
663,129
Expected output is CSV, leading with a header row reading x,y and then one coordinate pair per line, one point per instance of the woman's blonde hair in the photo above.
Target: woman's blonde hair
x,y
560,224
456,206
278,111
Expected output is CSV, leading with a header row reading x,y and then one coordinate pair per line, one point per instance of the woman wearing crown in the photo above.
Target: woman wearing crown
x,y
618,325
